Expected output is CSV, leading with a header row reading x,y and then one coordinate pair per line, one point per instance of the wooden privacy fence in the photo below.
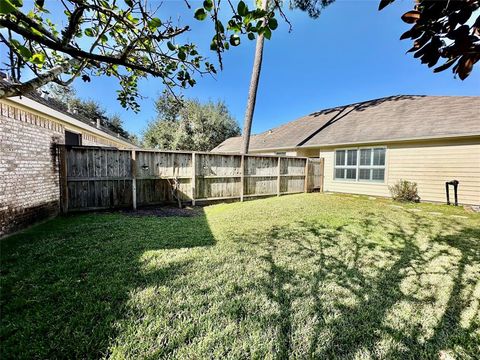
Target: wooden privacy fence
x,y
102,178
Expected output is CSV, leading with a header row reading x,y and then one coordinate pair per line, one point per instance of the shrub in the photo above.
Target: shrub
x,y
404,190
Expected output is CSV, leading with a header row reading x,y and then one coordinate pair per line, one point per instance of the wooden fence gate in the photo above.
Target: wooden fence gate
x,y
315,174
94,178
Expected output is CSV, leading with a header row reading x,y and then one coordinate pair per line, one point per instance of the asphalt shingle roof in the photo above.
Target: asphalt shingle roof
x,y
401,117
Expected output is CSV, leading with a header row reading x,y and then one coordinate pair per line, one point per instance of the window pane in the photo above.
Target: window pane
x,y
364,174
340,157
379,157
378,174
352,174
339,173
365,156
352,157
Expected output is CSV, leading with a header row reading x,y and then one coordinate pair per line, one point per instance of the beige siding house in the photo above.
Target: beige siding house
x,y
370,145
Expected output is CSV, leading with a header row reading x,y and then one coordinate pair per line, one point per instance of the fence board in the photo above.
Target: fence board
x,y
97,178
315,174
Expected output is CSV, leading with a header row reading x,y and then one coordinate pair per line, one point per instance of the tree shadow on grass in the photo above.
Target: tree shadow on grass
x,y
69,289
363,319
66,283
451,331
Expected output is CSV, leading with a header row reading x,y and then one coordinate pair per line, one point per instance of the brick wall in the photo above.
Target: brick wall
x,y
29,184
29,169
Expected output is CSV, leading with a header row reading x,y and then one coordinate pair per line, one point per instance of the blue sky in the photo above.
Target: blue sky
x,y
351,53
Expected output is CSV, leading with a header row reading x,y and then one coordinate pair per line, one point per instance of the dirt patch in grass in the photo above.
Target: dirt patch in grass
x,y
165,211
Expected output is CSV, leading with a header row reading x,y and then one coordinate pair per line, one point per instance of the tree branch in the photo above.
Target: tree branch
x,y
33,84
75,53
72,25
22,17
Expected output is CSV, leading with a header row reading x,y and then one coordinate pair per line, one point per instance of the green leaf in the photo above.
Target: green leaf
x,y
170,46
219,27
129,3
154,23
232,25
235,40
200,14
242,9
181,55
272,23
24,51
36,32
259,13
6,7
38,58
251,36
89,32
208,5
267,33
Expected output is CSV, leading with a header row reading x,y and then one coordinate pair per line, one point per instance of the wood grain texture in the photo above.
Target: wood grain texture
x,y
97,178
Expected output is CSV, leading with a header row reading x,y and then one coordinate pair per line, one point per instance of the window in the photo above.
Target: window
x,y
346,164
364,164
72,138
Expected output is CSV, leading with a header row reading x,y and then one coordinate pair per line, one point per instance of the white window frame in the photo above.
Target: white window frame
x,y
358,166
346,167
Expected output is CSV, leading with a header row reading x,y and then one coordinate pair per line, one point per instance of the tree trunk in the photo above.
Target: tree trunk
x,y
252,91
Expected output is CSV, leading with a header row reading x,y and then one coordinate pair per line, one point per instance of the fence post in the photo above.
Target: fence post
x,y
322,163
134,179
242,177
279,178
194,177
306,176
173,165
63,180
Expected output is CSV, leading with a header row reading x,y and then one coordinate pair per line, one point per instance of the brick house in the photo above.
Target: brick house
x,y
30,128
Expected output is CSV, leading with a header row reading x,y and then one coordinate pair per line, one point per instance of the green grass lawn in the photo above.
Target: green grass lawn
x,y
300,276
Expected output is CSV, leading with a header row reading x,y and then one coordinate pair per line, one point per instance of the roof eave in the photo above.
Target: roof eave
x,y
25,101
410,139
